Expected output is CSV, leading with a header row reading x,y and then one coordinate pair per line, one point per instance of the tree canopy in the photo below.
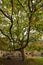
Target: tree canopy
x,y
21,22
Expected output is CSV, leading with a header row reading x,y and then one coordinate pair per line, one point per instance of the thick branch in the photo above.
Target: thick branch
x,y
29,5
5,14
12,7
11,32
11,23
22,6
5,34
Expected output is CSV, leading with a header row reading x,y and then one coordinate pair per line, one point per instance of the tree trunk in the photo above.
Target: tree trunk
x,y
23,56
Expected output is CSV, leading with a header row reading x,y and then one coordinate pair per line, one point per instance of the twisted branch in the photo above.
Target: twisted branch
x,y
11,23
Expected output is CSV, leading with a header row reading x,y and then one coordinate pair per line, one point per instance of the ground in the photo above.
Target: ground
x,y
28,61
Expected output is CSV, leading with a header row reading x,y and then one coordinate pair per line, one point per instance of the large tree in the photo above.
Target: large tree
x,y
17,19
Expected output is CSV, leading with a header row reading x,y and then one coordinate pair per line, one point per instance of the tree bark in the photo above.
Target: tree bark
x,y
22,53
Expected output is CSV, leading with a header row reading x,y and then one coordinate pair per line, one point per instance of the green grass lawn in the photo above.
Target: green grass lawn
x,y
28,61
34,61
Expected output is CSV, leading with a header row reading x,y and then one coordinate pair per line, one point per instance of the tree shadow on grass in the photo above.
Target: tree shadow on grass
x,y
29,61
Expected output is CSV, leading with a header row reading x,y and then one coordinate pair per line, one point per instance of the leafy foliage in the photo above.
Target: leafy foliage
x,y
18,18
